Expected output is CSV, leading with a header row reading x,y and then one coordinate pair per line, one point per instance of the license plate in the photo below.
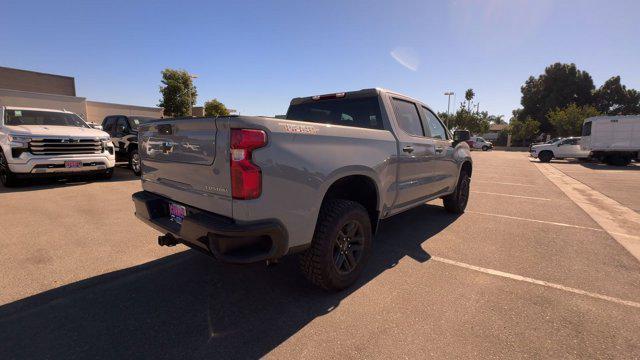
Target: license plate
x,y
72,164
177,212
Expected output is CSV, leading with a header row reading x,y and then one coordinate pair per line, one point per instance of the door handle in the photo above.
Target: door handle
x,y
408,149
439,149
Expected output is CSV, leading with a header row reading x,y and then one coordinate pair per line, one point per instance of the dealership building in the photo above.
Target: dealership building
x,y
40,90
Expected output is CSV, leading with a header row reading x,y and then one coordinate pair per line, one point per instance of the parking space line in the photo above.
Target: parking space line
x,y
534,220
517,196
536,282
551,223
504,183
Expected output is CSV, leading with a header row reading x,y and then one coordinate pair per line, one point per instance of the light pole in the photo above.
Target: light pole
x,y
448,95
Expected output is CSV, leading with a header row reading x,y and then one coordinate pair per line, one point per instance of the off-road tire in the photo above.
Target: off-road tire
x,y
7,178
318,263
456,202
137,168
545,156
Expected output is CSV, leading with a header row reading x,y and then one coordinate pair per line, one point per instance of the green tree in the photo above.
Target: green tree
x,y
613,98
568,121
178,92
215,108
559,86
468,96
524,129
467,120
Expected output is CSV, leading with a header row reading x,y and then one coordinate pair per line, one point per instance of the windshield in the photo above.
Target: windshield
x,y
358,112
553,140
37,117
135,121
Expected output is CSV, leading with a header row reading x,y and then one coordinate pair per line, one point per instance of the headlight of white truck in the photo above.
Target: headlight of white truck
x,y
107,144
19,141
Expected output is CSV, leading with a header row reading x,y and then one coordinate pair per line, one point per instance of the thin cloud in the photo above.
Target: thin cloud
x,y
406,57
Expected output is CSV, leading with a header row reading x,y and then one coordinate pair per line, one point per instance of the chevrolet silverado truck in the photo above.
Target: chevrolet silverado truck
x,y
317,183
123,130
44,143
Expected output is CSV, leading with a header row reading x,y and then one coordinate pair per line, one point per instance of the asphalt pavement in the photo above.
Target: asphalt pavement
x,y
524,273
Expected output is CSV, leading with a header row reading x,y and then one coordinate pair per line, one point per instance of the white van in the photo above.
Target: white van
x,y
614,140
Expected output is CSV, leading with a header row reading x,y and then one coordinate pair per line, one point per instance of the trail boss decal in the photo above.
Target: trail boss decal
x,y
300,129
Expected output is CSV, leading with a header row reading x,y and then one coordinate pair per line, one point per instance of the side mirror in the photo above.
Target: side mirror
x,y
460,136
559,144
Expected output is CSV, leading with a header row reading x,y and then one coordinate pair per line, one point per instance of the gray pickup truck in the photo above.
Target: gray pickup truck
x,y
317,183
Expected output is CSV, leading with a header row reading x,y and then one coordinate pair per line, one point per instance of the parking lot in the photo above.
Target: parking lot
x,y
525,272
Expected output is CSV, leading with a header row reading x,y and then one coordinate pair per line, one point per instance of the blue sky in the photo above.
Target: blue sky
x,y
256,55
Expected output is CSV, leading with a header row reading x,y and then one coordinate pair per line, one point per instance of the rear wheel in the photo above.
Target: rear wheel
x,y
456,202
7,178
618,160
545,156
134,162
340,247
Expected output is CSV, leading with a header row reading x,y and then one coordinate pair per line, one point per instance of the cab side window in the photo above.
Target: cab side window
x,y
408,117
435,126
121,125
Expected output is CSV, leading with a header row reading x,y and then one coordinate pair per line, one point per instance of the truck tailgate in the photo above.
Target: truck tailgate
x,y
186,161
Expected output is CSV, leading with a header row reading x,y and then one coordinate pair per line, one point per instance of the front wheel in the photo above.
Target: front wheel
x,y
340,247
545,156
7,178
134,162
456,202
485,148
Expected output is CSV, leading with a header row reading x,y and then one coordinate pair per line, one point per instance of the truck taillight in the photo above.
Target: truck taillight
x,y
246,177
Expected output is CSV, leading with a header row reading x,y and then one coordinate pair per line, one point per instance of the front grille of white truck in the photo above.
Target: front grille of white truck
x,y
65,146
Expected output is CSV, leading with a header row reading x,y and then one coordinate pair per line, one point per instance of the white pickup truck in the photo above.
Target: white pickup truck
x,y
43,142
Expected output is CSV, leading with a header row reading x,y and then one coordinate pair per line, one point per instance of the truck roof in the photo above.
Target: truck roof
x,y
36,109
611,117
355,93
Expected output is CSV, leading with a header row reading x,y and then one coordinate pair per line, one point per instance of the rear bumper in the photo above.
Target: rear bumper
x,y
222,237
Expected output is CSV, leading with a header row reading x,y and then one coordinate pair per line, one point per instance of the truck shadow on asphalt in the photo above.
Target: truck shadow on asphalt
x,y
600,166
121,173
188,306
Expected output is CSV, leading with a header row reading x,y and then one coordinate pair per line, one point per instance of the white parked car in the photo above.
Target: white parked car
x,y
612,139
477,142
43,142
560,149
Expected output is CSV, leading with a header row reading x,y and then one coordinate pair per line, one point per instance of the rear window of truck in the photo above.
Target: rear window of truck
x,y
358,112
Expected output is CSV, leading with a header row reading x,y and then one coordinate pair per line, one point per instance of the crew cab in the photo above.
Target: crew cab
x,y
123,130
560,149
317,183
43,142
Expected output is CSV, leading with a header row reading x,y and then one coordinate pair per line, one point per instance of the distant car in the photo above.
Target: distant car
x,y
551,141
477,142
123,130
560,149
